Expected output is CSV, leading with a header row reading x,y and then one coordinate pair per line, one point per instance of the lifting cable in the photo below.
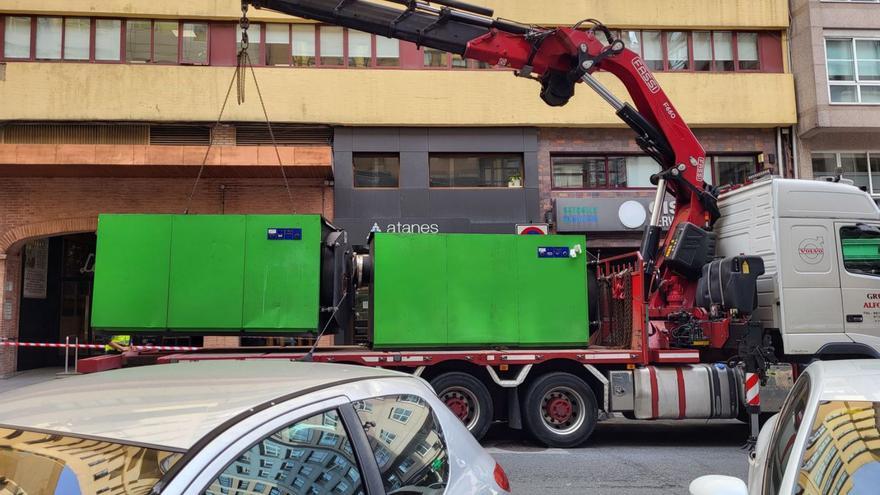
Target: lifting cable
x,y
239,80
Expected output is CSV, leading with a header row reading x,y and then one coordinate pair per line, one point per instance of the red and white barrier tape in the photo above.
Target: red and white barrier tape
x,y
56,345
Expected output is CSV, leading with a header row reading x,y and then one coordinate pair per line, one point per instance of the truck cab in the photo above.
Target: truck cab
x,y
820,242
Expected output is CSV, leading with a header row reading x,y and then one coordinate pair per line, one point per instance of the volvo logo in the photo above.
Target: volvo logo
x,y
812,250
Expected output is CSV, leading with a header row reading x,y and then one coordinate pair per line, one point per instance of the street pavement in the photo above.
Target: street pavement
x,y
624,457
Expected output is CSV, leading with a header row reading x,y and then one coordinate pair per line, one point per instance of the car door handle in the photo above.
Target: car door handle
x,y
854,318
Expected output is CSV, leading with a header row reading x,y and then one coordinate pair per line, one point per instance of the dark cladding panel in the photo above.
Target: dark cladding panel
x,y
366,203
343,174
415,203
413,139
413,170
480,205
376,139
489,140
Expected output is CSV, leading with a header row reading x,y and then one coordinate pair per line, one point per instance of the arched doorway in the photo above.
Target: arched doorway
x,y
55,293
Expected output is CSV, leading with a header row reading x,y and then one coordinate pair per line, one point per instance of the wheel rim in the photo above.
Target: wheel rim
x,y
463,403
562,410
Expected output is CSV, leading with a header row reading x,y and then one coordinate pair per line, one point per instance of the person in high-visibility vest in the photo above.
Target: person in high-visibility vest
x,y
118,343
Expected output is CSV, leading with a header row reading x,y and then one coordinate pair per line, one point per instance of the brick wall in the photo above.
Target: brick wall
x,y
593,141
42,206
223,135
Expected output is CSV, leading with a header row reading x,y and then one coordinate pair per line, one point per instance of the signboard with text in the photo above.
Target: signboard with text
x,y
608,214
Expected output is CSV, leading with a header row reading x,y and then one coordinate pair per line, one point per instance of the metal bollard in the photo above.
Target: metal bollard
x,y
66,353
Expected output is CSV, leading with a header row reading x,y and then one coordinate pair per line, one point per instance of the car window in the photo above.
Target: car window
x,y
310,457
76,466
787,427
843,450
407,442
860,246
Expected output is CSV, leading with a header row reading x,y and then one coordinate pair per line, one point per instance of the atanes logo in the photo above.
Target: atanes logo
x,y
812,250
646,76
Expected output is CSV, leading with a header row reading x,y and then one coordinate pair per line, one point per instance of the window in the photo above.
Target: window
x,y
278,44
137,41
853,70
387,52
652,49
731,169
632,40
784,433
400,470
359,49
387,437
194,45
255,38
376,170
747,51
602,172
860,246
722,49
108,39
861,168
303,36
677,52
331,46
702,50
435,58
165,42
281,481
28,457
77,34
328,439
475,170
17,37
49,38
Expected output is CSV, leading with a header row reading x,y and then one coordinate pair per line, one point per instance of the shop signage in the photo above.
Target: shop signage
x,y
36,268
608,214
360,228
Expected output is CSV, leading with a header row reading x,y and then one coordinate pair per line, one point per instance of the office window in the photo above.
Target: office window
x,y
360,48
652,49
677,52
861,168
459,62
49,38
722,49
165,42
331,45
435,58
747,51
732,169
602,172
853,70
476,170
387,437
702,50
137,40
400,414
387,52
255,38
376,170
632,40
194,45
77,38
303,36
277,44
17,37
108,39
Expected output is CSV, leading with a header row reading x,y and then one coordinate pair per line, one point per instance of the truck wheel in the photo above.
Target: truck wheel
x,y
467,398
560,410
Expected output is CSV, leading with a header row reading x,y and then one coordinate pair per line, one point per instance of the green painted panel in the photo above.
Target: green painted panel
x,y
482,290
552,293
282,277
409,290
207,272
131,272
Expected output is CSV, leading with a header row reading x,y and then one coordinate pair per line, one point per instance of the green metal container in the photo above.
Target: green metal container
x,y
208,273
470,290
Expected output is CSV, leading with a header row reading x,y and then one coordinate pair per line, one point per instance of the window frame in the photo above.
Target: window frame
x,y
152,60
855,83
477,154
607,156
94,39
377,154
734,40
712,156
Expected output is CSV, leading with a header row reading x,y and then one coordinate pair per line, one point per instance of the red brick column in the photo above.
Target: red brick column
x,y
10,268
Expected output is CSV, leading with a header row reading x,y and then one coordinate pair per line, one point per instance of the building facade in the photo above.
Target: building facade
x,y
835,47
111,107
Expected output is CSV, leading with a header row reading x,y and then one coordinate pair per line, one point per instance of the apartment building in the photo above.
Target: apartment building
x,y
110,107
835,51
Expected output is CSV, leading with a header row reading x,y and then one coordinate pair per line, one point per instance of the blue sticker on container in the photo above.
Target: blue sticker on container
x,y
553,252
284,234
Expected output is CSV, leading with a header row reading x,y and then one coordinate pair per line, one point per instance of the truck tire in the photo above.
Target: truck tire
x,y
560,410
468,398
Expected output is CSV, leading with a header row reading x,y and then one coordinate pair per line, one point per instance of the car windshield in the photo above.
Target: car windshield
x,y
39,463
843,450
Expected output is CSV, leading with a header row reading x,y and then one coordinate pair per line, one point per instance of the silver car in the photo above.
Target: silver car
x,y
268,427
825,440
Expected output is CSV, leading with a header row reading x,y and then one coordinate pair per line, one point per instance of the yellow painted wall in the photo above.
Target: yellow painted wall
x,y
757,14
60,91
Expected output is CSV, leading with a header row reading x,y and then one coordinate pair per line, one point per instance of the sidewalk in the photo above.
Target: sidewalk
x,y
29,377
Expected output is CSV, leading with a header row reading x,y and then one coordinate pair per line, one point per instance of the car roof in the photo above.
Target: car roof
x,y
851,379
167,405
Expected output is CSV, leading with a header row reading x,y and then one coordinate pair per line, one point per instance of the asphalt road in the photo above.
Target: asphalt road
x,y
624,458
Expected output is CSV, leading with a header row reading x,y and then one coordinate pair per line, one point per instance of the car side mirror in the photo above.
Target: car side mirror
x,y
716,484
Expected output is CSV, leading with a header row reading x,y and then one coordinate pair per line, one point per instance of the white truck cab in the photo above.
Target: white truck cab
x,y
820,242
